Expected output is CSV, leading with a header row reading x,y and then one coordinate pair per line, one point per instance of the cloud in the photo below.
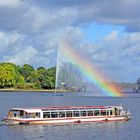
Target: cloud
x,y
34,16
118,56
30,32
9,3
38,50
120,12
8,43
115,55
24,56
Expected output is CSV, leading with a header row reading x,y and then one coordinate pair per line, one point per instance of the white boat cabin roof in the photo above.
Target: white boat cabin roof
x,y
50,108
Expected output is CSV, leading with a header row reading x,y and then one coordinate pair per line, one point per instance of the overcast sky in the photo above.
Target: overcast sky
x,y
105,31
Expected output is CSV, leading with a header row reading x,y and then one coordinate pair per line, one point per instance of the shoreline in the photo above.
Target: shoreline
x,y
32,90
45,90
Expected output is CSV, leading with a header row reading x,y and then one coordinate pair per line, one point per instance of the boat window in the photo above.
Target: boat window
x,y
117,111
96,113
38,115
21,113
62,114
10,114
46,114
103,112
107,112
14,113
54,114
76,113
34,115
83,113
69,113
111,112
90,112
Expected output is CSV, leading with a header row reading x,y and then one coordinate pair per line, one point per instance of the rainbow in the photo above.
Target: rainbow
x,y
89,71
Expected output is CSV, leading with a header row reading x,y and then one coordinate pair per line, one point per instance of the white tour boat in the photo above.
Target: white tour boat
x,y
66,114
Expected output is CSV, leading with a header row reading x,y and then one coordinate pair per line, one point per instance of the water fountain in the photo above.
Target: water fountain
x,y
68,76
76,73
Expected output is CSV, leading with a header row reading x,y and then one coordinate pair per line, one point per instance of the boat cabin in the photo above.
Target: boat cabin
x,y
65,112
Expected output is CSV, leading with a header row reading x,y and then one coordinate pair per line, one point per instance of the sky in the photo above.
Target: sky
x,y
106,32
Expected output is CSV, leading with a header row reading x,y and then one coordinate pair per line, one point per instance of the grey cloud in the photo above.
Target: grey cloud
x,y
11,3
122,57
120,12
23,56
61,3
37,16
38,50
13,18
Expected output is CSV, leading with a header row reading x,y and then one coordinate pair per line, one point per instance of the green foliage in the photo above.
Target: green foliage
x,y
26,86
8,75
26,77
26,71
51,77
20,79
43,78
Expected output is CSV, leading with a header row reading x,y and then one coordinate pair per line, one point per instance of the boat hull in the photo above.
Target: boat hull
x,y
65,120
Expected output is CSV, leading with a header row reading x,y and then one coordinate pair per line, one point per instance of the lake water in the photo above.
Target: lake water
x,y
125,130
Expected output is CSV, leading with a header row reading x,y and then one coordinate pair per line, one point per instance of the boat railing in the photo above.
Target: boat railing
x,y
125,113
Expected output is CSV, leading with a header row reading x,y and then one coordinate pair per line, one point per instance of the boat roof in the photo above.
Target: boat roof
x,y
38,109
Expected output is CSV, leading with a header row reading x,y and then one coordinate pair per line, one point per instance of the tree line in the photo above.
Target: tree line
x,y
26,77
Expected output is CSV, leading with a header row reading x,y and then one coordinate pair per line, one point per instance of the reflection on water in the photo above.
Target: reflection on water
x,y
83,131
111,130
100,131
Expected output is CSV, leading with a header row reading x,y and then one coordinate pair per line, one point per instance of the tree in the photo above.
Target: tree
x,y
51,74
8,76
26,71
41,69
26,77
43,78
